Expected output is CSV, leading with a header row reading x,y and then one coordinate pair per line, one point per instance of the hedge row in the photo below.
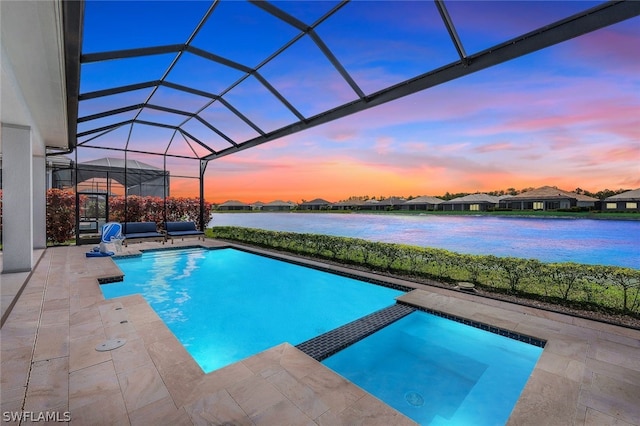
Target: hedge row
x,y
596,287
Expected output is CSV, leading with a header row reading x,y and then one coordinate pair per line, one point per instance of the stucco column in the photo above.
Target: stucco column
x,y
17,199
39,202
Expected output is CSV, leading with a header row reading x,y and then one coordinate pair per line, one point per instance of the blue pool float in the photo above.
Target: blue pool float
x,y
97,253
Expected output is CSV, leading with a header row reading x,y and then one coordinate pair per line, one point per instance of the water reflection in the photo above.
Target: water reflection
x,y
163,268
608,242
164,273
191,264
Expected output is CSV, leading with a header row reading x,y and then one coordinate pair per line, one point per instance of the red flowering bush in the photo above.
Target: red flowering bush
x,y
152,209
139,209
181,209
61,215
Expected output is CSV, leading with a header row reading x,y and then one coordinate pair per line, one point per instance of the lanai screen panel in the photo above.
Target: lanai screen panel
x,y
201,80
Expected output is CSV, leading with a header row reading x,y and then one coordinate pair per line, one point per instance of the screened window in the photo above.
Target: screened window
x,y
612,206
632,205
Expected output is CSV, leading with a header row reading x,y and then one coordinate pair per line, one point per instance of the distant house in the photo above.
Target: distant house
x,y
278,206
317,204
473,202
391,203
422,203
233,205
547,198
627,201
257,205
371,204
348,205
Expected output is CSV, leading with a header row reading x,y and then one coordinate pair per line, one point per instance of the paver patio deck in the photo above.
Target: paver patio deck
x,y
589,372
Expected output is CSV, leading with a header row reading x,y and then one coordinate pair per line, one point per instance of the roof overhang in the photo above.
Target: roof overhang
x,y
37,39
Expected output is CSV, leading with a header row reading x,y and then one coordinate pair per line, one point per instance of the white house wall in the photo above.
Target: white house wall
x,y
17,199
32,117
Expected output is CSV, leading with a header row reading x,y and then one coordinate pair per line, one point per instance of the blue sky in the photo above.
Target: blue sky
x,y
565,116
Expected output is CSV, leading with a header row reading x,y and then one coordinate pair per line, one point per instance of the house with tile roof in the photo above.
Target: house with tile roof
x,y
547,198
422,203
371,204
472,202
234,205
391,203
278,206
316,204
257,205
627,201
348,205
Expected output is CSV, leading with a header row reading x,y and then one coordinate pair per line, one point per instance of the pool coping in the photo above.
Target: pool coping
x,y
589,372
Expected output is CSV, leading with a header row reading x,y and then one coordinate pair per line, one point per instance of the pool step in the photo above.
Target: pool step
x,y
333,341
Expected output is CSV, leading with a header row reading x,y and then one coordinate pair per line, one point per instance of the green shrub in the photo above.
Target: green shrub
x,y
628,281
563,279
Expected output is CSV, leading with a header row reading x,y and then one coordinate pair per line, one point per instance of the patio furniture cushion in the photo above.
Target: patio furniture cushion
x,y
182,228
141,230
133,235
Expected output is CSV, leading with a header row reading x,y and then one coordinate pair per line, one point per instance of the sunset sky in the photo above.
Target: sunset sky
x,y
567,116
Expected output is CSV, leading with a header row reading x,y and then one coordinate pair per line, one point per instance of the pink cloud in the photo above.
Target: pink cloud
x,y
498,146
611,45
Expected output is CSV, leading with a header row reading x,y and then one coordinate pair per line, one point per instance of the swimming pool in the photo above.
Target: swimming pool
x,y
225,305
440,372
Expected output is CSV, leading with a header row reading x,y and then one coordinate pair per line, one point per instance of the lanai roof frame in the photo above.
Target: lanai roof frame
x,y
581,23
212,140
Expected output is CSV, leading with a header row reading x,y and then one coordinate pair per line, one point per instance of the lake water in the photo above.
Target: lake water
x,y
604,242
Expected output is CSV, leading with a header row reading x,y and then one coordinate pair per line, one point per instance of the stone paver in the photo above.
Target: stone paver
x,y
589,372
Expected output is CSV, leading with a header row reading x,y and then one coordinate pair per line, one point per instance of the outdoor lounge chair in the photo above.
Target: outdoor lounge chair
x,y
142,231
182,230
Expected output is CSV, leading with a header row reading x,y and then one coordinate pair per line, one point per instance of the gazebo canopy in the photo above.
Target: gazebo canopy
x,y
139,178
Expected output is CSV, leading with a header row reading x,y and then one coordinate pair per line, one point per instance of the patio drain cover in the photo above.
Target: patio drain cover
x,y
110,345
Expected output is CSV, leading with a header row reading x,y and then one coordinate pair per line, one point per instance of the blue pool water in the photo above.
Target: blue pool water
x,y
225,305
440,372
